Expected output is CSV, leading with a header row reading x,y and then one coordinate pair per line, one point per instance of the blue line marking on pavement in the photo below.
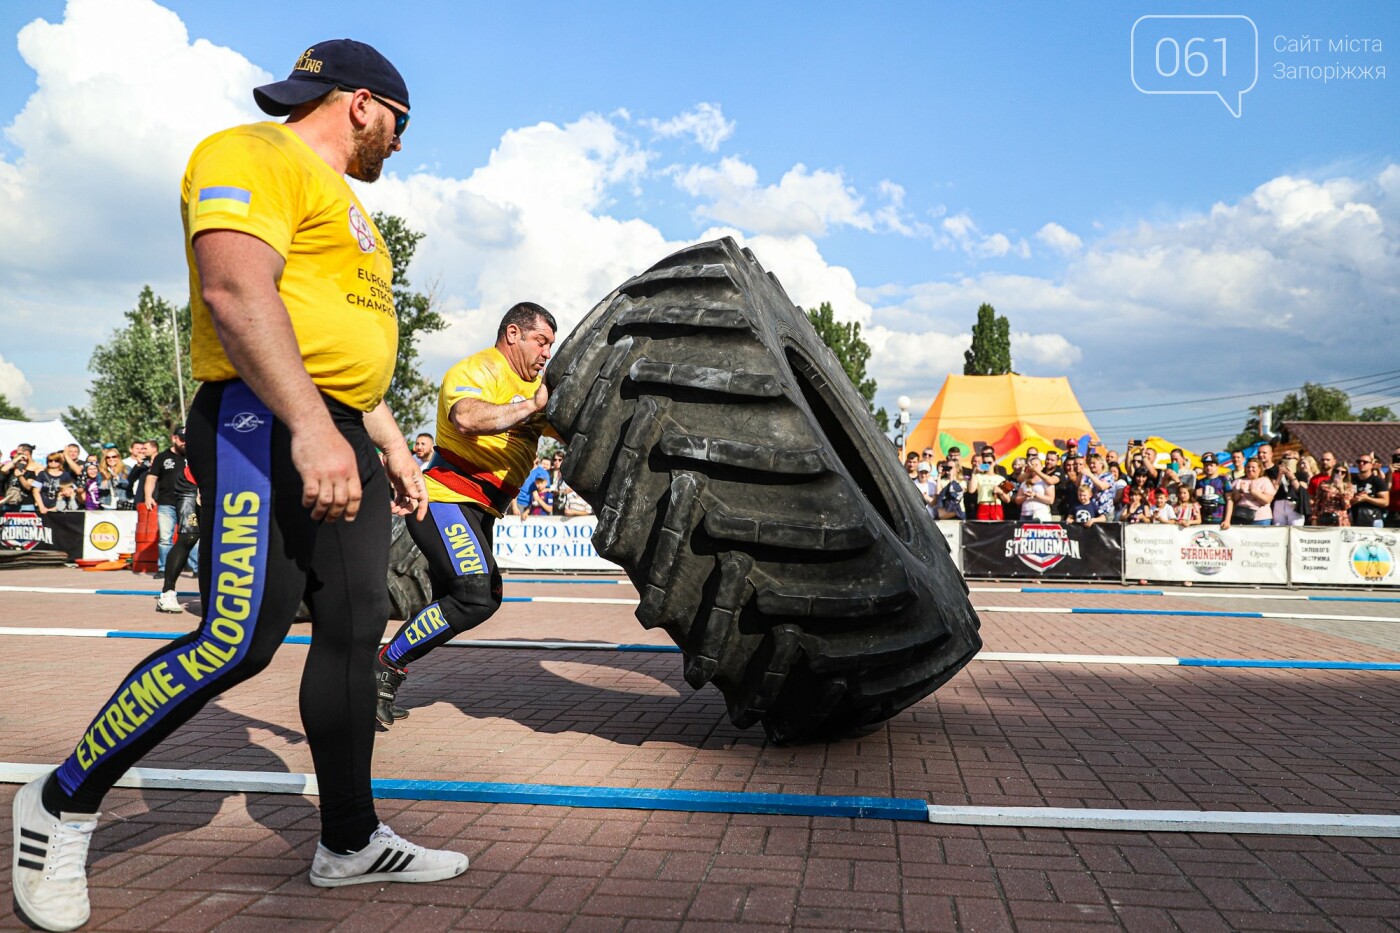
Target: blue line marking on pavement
x,y
1082,610
607,581
1265,663
644,798
1354,599
1095,590
1303,665
142,593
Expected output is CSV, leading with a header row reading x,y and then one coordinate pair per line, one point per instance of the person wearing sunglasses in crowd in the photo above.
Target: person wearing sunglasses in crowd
x,y
49,481
114,485
1372,497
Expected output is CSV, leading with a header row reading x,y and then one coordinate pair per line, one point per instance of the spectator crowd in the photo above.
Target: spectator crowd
x,y
67,481
1292,488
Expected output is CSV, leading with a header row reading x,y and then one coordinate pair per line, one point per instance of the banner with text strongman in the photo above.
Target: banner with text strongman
x,y
1009,549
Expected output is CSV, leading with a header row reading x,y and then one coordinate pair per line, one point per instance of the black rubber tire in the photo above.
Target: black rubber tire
x,y
740,481
410,587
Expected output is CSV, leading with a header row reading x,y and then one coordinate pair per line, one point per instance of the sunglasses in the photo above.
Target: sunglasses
x,y
55,460
400,116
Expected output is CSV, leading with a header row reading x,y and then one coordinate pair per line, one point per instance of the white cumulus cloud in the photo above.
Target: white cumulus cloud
x,y
804,201
961,232
13,385
1059,239
705,124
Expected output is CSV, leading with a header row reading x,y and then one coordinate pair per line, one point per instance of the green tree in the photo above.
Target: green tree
x,y
990,353
134,393
1314,402
410,393
852,351
11,411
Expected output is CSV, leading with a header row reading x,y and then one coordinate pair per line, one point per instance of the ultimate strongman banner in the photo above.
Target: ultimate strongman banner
x,y
56,531
1009,549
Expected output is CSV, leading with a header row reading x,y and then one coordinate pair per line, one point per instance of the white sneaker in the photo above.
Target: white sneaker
x,y
166,602
49,862
388,857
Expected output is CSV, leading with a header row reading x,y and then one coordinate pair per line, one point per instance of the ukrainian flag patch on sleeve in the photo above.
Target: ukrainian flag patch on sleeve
x,y
225,199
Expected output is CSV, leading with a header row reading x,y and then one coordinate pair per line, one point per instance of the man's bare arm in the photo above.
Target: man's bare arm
x,y
473,416
238,275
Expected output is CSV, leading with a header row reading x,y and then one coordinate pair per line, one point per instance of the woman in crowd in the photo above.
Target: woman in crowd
x,y
1011,510
116,481
47,482
1333,499
1141,484
1290,504
1185,511
1033,494
1250,502
91,485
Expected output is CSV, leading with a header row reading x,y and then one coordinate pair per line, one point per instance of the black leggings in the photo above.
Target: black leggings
x,y
455,537
260,553
186,537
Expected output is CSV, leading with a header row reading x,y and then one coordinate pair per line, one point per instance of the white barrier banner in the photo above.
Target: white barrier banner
x,y
108,533
1344,556
547,543
952,533
1204,553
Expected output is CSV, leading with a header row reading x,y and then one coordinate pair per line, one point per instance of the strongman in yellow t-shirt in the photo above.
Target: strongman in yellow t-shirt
x,y
489,422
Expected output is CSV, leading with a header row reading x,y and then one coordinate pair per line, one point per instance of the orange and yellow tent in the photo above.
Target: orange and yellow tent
x,y
1003,411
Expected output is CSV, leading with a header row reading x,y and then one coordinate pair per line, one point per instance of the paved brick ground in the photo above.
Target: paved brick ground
x,y
999,733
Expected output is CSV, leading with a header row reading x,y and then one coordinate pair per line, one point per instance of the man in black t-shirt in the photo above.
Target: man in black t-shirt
x,y
162,493
1372,494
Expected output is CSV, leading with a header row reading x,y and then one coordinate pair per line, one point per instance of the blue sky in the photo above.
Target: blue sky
x,y
904,160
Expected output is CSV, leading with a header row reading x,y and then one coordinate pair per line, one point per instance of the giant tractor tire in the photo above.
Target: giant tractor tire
x,y
740,481
410,587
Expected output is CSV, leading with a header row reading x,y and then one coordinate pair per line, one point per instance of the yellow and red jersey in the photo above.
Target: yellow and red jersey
x,y
483,468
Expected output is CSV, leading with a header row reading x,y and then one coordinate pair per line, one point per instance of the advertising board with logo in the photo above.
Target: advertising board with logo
x,y
1344,556
1205,554
108,534
548,544
30,531
1008,549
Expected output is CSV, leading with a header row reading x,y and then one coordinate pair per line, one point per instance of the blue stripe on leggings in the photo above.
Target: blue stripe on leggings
x,y
243,499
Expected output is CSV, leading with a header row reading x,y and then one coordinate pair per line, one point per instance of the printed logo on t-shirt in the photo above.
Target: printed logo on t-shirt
x,y
361,230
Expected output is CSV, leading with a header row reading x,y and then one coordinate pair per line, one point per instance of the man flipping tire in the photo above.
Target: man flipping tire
x,y
489,423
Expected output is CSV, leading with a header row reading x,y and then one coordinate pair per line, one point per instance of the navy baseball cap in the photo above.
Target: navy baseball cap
x,y
329,65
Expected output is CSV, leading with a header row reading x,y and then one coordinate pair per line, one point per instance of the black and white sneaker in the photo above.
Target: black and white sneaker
x,y
388,857
49,862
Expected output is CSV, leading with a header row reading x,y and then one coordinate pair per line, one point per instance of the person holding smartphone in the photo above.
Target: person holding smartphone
x,y
1392,507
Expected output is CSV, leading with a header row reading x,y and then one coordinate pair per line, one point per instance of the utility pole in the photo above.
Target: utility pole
x,y
179,369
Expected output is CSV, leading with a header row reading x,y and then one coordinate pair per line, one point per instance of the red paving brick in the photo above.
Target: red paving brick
x,y
998,734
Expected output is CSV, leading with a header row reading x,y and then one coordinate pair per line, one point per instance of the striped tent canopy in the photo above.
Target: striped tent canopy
x,y
1004,411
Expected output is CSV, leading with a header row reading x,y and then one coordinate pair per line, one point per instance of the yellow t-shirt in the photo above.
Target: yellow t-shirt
x,y
265,181
483,468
